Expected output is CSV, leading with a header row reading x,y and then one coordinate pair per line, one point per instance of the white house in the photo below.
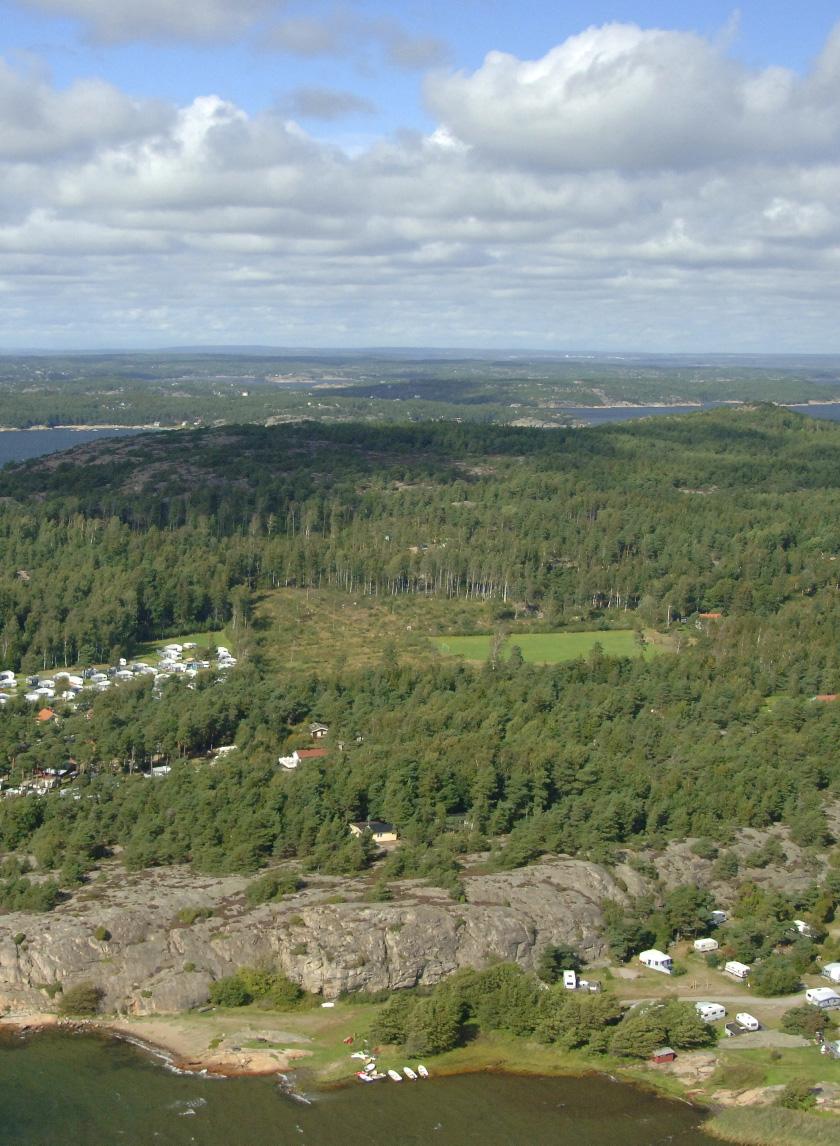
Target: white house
x,y
822,997
803,928
705,945
747,1021
736,970
710,1012
831,971
657,960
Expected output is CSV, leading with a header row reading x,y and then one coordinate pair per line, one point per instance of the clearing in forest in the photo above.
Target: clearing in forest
x,y
549,648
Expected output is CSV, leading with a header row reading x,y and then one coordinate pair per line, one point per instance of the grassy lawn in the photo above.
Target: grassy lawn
x,y
548,648
789,1063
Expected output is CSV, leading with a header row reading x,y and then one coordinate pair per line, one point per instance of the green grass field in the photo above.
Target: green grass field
x,y
548,648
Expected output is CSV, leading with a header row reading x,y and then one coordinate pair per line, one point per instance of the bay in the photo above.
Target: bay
x,y
57,1088
19,445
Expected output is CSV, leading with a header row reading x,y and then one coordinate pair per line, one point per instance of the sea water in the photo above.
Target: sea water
x,y
58,1089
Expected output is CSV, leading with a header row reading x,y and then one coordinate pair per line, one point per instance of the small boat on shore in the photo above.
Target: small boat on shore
x,y
395,1075
409,1073
421,1070
368,1076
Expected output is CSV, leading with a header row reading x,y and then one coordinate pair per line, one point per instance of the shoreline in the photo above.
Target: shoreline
x,y
219,1063
79,427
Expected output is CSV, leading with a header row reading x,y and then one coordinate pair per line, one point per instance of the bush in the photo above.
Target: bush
x,y
83,999
190,915
797,1095
777,975
272,887
261,985
378,892
806,1021
230,992
705,849
102,934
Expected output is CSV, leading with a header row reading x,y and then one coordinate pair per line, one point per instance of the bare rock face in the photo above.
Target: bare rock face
x,y
324,938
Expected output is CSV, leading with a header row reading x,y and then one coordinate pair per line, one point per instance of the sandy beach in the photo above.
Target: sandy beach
x,y
183,1044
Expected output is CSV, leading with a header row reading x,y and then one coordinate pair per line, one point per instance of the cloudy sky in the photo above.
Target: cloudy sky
x,y
537,174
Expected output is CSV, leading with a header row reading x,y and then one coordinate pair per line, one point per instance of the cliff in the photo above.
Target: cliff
x,y
326,937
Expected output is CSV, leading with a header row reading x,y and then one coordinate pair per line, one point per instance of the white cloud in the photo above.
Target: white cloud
x,y
115,21
619,96
135,223
36,120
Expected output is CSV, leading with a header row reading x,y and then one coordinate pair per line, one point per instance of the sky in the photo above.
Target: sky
x,y
566,176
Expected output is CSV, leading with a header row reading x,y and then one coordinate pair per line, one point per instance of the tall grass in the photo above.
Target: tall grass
x,y
774,1126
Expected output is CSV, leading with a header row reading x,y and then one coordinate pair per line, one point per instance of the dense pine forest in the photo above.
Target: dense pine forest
x,y
648,525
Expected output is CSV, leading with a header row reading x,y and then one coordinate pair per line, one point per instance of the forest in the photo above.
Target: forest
x,y
648,524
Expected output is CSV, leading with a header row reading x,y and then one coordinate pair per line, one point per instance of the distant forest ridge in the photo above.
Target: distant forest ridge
x,y
210,386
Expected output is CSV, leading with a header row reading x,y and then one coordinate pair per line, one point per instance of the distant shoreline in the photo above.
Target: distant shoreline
x,y
79,428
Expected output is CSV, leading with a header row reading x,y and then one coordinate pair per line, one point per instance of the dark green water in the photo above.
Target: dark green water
x,y
58,1089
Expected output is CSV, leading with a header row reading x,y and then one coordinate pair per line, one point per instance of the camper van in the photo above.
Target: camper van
x,y
822,997
570,980
747,1021
710,1012
736,970
704,946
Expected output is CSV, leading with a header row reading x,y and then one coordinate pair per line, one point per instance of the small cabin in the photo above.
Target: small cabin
x,y
704,946
822,997
737,970
318,731
664,1054
803,928
657,961
382,832
717,917
570,980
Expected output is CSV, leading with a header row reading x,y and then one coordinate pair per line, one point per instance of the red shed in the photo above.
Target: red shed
x,y
664,1054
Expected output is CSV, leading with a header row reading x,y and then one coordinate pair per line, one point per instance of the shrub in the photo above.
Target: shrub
x,y
102,934
229,992
190,915
272,887
257,984
705,849
806,1020
378,892
189,967
83,999
797,1095
777,975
